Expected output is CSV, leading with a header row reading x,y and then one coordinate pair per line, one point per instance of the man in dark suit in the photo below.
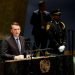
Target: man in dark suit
x,y
10,48
13,48
39,20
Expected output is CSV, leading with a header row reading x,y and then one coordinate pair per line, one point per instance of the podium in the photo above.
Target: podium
x,y
45,65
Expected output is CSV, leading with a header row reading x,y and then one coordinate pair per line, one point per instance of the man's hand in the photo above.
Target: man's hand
x,y
61,48
19,57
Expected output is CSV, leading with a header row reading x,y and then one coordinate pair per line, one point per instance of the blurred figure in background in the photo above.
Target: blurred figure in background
x,y
57,33
39,20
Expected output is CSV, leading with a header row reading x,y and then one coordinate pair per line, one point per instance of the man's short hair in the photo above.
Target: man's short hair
x,y
14,23
41,2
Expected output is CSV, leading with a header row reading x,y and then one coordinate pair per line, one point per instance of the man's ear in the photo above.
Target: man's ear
x,y
11,30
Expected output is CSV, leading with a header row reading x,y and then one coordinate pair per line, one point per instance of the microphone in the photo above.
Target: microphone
x,y
42,52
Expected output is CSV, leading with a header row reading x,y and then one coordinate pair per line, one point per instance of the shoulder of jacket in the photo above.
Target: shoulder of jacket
x,y
51,24
22,37
36,11
63,24
7,38
46,12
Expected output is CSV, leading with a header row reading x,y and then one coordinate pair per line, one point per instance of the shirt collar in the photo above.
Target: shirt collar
x,y
16,37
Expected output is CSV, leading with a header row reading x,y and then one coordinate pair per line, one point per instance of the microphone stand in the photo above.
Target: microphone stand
x,y
43,51
29,53
29,63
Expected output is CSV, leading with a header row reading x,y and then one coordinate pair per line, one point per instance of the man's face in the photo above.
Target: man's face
x,y
15,30
56,17
42,7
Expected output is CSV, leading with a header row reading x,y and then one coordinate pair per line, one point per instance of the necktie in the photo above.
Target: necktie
x,y
19,44
42,21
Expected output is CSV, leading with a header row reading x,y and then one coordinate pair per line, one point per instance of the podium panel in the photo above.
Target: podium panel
x,y
39,66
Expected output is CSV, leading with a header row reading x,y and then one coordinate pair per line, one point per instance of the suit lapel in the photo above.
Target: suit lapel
x,y
14,43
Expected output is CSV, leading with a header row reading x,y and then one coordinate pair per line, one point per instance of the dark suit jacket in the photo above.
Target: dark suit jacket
x,y
10,48
36,21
